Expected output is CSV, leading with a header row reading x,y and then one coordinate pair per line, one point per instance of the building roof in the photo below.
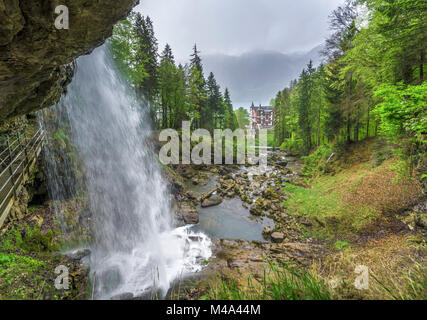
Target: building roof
x,y
266,108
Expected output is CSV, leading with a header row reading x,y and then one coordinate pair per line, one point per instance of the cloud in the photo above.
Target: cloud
x,y
234,27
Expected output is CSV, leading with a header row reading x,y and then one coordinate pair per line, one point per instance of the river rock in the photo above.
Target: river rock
x,y
306,223
270,194
192,195
246,199
80,254
267,232
282,163
421,220
211,202
256,209
277,237
189,213
123,296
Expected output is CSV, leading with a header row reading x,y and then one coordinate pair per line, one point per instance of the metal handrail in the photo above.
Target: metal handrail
x,y
36,137
28,150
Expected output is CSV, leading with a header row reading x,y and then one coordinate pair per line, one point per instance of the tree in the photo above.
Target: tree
x,y
175,93
124,44
403,25
167,84
213,113
147,55
242,117
196,97
196,61
230,119
304,104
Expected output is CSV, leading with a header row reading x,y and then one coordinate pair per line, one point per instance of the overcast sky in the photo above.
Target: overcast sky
x,y
238,26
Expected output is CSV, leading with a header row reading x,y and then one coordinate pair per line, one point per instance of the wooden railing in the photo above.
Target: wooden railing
x,y
18,155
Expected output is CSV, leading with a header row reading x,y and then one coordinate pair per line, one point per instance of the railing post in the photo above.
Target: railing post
x,y
12,178
27,161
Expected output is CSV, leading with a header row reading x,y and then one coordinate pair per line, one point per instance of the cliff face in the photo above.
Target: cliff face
x,y
36,59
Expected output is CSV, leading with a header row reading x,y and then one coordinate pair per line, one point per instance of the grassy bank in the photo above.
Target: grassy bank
x,y
358,204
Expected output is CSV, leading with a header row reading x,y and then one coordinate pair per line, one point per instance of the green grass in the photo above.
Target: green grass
x,y
28,238
26,263
22,277
279,282
339,245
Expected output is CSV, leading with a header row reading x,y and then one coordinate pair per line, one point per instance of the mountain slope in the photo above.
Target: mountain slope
x,y
257,76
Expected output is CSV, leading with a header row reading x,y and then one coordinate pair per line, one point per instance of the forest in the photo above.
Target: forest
x,y
175,92
371,82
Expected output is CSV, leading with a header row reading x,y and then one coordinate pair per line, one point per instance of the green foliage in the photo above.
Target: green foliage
x,y
339,245
403,110
316,162
271,142
373,81
28,238
280,282
242,116
294,145
124,46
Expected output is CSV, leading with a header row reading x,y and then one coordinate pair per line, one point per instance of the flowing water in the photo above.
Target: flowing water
x,y
135,246
230,220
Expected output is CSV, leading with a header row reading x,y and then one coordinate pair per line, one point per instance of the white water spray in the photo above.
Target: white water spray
x,y
135,245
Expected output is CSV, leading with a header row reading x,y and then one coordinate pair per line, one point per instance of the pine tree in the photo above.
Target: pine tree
x,y
230,119
304,104
167,84
196,61
147,55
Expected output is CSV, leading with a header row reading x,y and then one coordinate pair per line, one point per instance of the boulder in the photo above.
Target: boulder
x,y
211,202
80,254
192,195
281,163
123,296
277,237
189,213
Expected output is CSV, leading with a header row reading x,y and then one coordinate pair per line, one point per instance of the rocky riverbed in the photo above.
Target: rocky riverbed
x,y
242,208
248,195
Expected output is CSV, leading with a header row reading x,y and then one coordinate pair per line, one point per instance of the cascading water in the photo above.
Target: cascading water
x,y
135,247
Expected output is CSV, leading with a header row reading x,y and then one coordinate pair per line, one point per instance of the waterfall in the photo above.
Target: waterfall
x,y
135,246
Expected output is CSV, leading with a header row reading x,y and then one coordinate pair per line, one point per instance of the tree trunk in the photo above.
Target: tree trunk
x,y
367,122
348,131
422,66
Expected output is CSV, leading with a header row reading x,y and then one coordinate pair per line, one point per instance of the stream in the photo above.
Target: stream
x,y
230,219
